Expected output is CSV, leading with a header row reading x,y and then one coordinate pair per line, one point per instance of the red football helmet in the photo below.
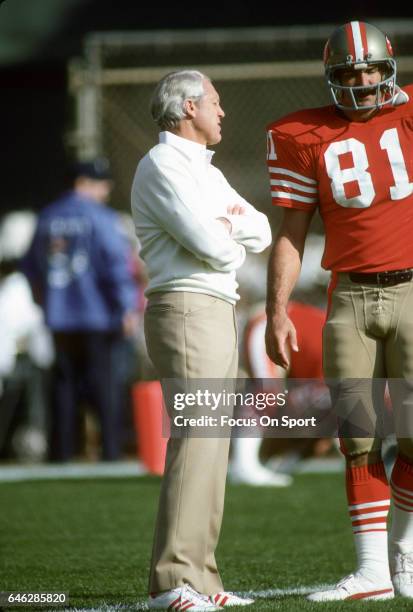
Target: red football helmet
x,y
358,45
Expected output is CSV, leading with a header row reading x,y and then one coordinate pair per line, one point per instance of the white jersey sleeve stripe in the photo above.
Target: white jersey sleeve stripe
x,y
300,177
293,196
293,185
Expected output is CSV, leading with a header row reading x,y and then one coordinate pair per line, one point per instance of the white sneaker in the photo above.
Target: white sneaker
x,y
402,574
226,598
182,598
259,477
355,586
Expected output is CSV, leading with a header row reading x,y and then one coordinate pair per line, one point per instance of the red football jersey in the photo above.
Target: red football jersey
x,y
360,175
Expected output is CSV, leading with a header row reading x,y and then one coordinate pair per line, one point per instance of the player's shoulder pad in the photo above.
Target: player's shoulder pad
x,y
403,95
308,126
309,118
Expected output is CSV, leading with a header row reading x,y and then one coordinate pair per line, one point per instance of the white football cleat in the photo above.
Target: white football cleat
x,y
226,599
259,477
182,598
402,574
355,586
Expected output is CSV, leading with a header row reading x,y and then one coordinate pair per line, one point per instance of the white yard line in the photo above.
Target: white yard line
x,y
271,593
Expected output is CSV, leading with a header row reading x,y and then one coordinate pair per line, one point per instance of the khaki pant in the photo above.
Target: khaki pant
x,y
190,335
369,335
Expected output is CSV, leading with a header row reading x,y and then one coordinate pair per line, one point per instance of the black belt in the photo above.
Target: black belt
x,y
394,277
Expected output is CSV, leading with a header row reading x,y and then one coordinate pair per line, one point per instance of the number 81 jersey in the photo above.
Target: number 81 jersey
x,y
359,175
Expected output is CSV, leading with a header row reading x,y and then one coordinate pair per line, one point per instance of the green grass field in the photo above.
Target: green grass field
x,y
92,538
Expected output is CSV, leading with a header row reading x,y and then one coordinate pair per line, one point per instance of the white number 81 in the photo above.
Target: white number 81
x,y
390,143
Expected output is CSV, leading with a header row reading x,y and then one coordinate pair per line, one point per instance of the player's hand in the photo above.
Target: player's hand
x,y
280,338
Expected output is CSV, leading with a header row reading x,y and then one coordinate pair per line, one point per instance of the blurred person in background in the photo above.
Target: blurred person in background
x,y
307,312
131,352
26,349
306,393
78,267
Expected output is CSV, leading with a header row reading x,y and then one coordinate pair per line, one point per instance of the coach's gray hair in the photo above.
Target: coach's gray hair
x,y
167,105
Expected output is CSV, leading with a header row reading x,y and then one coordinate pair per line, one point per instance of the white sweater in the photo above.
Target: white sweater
x,y
177,195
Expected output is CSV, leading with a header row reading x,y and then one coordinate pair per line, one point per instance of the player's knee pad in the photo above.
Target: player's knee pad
x,y
352,447
405,447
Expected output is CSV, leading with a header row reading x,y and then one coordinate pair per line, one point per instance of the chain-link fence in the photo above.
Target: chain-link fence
x,y
261,74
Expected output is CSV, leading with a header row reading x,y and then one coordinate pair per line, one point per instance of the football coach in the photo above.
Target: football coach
x,y
194,229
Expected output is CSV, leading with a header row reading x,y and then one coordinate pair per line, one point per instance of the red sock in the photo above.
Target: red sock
x,y
368,497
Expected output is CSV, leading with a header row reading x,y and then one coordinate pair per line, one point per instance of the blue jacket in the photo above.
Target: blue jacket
x,y
78,264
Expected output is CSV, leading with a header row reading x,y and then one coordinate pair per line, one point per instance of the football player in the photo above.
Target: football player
x,y
353,161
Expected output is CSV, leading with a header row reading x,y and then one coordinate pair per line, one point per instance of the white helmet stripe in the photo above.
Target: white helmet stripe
x,y
358,42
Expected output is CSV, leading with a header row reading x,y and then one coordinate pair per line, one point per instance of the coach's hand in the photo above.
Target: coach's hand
x,y
236,209
280,338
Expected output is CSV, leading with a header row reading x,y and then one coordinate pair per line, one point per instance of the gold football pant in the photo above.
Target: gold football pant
x,y
367,338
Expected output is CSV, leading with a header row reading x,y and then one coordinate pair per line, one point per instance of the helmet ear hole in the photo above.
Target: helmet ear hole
x,y
336,76
387,70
